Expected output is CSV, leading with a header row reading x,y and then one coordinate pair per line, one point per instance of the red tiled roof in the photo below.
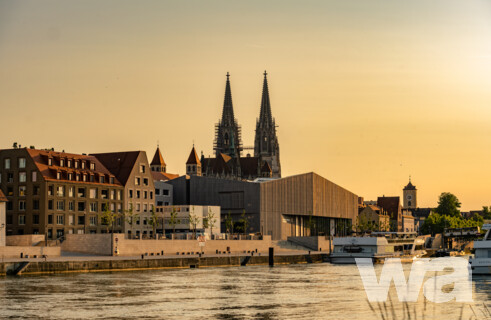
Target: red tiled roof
x,y
163,176
193,158
49,172
158,160
2,197
119,163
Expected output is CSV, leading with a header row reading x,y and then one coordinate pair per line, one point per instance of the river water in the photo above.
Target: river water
x,y
314,291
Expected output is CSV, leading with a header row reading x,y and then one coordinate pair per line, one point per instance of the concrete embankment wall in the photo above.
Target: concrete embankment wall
x,y
16,251
142,264
100,244
24,240
318,243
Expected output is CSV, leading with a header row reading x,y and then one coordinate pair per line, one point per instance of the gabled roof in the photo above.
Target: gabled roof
x,y
249,166
389,204
193,157
3,198
410,186
158,160
49,172
163,176
119,163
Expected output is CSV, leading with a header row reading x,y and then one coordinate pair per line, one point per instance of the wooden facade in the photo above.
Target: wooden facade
x,y
289,205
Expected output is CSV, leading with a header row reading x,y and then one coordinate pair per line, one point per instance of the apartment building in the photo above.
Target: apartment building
x,y
58,193
133,171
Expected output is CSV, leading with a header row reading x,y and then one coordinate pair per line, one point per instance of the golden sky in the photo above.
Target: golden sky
x,y
365,93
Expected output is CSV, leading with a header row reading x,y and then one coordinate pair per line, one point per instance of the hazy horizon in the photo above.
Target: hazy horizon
x,y
364,93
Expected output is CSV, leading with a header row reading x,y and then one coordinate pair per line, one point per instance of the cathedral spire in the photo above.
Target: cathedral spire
x,y
265,116
228,108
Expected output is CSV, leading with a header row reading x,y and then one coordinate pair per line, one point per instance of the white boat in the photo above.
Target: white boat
x,y
379,245
481,262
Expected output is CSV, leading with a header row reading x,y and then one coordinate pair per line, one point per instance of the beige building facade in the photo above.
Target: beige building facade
x,y
3,201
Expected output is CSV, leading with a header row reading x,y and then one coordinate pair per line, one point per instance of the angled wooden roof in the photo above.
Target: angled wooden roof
x,y
119,163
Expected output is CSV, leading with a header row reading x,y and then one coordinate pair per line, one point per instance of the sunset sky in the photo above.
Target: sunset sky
x,y
365,93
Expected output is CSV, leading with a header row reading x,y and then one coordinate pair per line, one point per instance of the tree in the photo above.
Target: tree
x,y
229,223
130,217
244,222
154,221
436,223
174,219
193,221
210,220
108,217
486,212
448,205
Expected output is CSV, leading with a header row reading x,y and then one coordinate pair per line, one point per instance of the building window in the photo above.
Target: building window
x,y
10,177
138,194
71,219
92,166
145,194
111,180
145,207
77,177
409,203
22,205
81,220
93,207
157,192
145,181
112,207
34,176
83,164
50,219
35,219
22,163
93,220
50,190
142,168
58,175
81,192
104,194
137,181
60,205
22,219
92,179
62,162
166,192
84,178
118,197
50,161
120,208
111,194
93,193
101,179
50,204
76,164
69,163
151,194
130,194
71,205
35,190
81,206
71,191
70,176
10,191
35,204
22,177
137,207
22,191
6,164
60,220
60,191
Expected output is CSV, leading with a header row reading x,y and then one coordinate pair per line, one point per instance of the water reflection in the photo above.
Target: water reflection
x,y
317,291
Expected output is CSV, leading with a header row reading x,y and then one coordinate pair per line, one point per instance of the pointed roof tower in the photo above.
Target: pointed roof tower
x,y
193,158
228,108
265,115
158,163
158,160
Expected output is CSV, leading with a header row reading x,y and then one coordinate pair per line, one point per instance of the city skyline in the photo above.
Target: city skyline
x,y
365,94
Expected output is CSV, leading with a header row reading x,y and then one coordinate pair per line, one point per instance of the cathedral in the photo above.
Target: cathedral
x,y
228,162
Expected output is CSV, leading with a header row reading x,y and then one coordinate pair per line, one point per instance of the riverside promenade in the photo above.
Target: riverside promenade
x,y
75,262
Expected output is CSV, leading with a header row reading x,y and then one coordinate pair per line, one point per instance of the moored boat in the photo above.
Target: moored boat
x,y
481,262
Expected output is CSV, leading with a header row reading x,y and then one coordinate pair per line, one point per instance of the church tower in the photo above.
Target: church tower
x,y
193,165
158,163
266,145
410,196
227,131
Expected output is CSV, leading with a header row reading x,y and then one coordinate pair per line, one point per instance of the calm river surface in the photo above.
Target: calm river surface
x,y
315,291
